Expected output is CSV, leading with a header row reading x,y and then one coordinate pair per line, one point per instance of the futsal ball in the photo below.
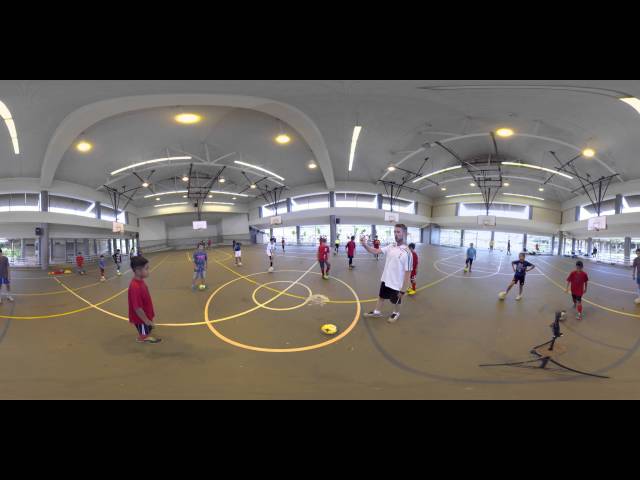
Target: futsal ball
x,y
271,269
502,295
637,301
202,287
239,264
466,270
119,274
329,329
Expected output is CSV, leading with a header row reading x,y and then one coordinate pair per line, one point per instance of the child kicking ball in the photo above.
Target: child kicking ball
x,y
520,268
414,273
577,282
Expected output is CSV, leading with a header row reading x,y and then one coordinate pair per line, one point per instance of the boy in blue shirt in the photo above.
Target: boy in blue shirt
x,y
471,256
237,251
520,268
101,266
200,260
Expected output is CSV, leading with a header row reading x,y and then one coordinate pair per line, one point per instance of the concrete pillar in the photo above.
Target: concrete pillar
x,y
333,231
619,204
126,218
379,200
577,214
573,245
457,209
44,201
524,241
298,234
530,212
553,244
374,232
627,250
98,210
289,205
589,245
560,244
270,233
332,199
461,236
85,250
44,245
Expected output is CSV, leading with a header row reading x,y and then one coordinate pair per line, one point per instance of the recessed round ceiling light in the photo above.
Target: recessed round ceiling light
x,y
210,196
312,165
84,147
185,179
472,184
234,198
541,189
589,152
444,189
253,186
157,199
221,180
184,196
188,118
283,139
506,184
391,168
145,184
504,132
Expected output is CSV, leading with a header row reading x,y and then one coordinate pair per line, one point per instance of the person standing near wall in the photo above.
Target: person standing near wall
x,y
5,276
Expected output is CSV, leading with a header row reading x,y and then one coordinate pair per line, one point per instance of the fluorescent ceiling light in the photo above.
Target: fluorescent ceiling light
x,y
354,143
523,196
218,203
259,168
228,193
437,172
84,146
633,102
11,126
283,139
188,118
589,152
175,192
462,195
171,204
536,167
148,162
504,132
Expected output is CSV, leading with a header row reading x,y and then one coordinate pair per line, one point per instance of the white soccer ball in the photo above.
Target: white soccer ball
x,y
637,301
239,264
502,295
271,269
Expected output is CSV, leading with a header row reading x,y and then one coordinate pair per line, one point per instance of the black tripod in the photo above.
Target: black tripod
x,y
546,352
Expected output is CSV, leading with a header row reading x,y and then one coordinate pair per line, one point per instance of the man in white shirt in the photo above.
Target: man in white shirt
x,y
271,250
397,270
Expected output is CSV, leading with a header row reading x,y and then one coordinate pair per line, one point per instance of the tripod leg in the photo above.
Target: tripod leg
x,y
577,371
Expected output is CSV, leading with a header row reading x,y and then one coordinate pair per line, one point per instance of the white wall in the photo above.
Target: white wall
x,y
153,230
187,232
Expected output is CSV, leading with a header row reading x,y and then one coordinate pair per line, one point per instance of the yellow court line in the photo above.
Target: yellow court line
x,y
79,310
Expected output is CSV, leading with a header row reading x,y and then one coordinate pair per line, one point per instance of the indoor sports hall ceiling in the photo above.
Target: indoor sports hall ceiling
x,y
404,122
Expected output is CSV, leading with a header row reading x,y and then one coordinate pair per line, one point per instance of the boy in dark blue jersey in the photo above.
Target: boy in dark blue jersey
x,y
520,268
200,260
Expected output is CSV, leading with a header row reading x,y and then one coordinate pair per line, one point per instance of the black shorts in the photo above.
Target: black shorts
x,y
469,261
519,279
390,294
144,330
577,298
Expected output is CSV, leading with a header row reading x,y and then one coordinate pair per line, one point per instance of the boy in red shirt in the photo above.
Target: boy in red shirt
x,y
141,312
376,245
414,272
323,258
351,252
80,264
578,281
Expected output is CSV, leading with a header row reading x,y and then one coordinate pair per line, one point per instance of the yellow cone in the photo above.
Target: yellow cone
x,y
329,329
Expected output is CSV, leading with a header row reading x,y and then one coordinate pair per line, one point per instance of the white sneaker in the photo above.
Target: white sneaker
x,y
393,318
519,297
10,299
373,314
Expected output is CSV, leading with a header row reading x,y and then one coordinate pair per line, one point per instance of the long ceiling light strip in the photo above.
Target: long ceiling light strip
x,y
462,195
11,126
536,167
438,172
523,196
166,193
354,144
255,167
220,192
219,203
171,204
633,102
148,162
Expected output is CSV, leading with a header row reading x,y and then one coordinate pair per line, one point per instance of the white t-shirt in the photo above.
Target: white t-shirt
x,y
270,248
398,261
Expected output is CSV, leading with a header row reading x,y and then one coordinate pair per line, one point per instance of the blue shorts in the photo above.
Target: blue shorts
x,y
519,279
4,281
199,272
638,280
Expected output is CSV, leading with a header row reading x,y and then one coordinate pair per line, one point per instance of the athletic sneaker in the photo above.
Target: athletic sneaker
x,y
326,277
149,340
411,291
393,318
373,314
519,297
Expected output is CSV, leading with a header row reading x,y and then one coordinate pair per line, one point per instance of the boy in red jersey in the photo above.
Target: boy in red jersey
x,y
414,272
80,264
351,251
141,312
578,281
323,258
376,245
